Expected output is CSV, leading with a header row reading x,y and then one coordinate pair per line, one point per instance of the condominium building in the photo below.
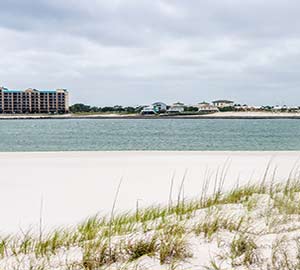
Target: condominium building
x,y
34,101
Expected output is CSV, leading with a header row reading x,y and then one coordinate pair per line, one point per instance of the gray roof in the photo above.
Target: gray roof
x,y
223,101
159,103
178,104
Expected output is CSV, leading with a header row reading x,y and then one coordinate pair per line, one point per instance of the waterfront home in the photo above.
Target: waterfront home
x,y
159,107
205,107
223,103
148,110
245,107
294,109
176,107
278,108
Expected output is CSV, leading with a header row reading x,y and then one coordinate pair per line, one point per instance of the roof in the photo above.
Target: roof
x,y
5,90
147,109
48,91
223,101
159,103
178,104
11,91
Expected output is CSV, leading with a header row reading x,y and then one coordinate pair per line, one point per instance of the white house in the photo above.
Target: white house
x,y
159,107
244,107
176,107
148,110
278,108
223,103
206,107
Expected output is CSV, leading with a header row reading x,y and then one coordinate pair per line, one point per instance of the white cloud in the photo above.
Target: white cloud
x,y
133,51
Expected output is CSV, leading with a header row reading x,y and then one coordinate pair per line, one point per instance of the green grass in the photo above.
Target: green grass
x,y
101,242
212,225
245,246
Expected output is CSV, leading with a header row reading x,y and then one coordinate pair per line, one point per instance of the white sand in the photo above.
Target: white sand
x,y
75,185
248,114
255,114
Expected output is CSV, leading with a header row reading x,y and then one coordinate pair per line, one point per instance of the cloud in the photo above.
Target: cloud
x,y
137,51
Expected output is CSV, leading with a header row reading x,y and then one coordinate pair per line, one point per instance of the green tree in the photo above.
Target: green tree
x,y
130,109
190,109
79,107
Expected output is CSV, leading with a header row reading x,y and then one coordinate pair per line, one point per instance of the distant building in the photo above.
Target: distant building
x,y
278,108
159,107
148,110
223,103
245,107
176,107
34,101
206,107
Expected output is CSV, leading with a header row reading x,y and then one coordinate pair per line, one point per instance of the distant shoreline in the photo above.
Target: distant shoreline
x,y
219,115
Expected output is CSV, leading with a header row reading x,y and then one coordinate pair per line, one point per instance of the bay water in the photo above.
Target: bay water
x,y
149,134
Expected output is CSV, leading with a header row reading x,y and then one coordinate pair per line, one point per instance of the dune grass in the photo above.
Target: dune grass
x,y
157,231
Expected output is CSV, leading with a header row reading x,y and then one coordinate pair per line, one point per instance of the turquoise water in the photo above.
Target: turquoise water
x,y
141,134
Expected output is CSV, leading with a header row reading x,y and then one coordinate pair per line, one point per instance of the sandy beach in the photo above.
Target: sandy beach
x,y
75,185
218,115
254,114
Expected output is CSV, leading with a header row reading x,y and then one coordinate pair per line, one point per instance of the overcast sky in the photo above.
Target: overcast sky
x,y
132,52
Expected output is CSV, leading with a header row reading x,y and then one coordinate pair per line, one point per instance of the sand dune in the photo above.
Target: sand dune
x,y
74,185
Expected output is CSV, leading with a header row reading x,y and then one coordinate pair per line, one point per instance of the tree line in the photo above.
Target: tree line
x,y
83,108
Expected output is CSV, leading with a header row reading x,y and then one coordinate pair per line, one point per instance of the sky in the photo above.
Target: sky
x,y
130,52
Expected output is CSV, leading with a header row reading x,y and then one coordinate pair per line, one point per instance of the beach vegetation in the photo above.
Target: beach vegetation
x,y
164,232
80,108
243,247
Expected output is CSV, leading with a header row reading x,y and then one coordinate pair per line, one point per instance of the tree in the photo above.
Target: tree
x,y
79,107
107,109
130,109
191,109
95,109
227,109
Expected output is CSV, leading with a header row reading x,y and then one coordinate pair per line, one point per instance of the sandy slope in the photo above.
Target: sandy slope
x,y
254,228
254,114
259,114
74,185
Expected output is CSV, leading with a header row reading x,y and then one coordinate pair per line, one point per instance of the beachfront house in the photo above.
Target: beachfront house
x,y
148,110
223,103
176,107
245,107
278,108
205,107
159,107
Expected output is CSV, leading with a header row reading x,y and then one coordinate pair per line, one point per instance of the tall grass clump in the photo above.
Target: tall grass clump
x,y
135,249
173,246
217,223
243,246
